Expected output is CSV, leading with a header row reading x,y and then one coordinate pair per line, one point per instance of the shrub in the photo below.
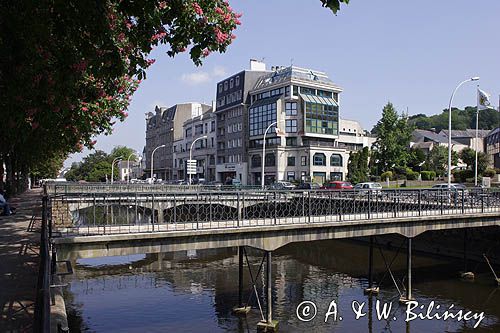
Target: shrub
x,y
411,175
385,175
489,173
428,175
462,175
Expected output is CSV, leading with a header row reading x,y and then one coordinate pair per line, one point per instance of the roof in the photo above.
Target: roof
x,y
467,133
319,99
423,145
430,135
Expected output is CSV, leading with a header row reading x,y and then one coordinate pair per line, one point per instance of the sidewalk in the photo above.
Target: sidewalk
x,y
19,263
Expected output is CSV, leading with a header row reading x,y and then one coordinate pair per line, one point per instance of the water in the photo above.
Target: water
x,y
195,291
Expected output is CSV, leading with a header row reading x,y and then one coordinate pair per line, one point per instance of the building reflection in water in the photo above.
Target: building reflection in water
x,y
195,291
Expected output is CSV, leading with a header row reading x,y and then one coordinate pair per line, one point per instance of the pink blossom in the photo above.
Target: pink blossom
x,y
206,52
219,11
85,108
162,5
197,9
220,37
150,61
34,125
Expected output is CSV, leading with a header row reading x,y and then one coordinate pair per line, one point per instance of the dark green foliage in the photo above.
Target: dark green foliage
x,y
460,119
428,175
357,168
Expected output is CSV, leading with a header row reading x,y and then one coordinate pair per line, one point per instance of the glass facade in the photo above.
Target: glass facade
x,y
260,117
321,117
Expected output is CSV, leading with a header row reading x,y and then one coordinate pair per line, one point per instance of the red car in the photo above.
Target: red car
x,y
337,185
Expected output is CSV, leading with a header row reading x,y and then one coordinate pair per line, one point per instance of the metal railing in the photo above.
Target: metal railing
x,y
131,212
42,302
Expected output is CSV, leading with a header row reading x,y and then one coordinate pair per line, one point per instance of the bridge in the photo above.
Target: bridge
x,y
113,223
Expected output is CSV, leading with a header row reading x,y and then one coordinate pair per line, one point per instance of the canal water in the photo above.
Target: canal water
x,y
195,291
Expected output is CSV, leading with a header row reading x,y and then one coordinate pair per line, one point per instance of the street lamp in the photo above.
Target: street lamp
x,y
152,159
128,167
264,153
191,151
117,159
449,125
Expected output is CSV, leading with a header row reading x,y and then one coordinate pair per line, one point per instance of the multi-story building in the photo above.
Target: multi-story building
x,y
163,128
232,122
204,149
305,106
492,142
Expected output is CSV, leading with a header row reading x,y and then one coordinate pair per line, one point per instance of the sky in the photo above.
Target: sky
x,y
411,53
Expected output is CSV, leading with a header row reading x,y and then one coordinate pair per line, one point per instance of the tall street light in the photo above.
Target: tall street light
x,y
128,166
449,125
264,153
152,159
191,151
117,159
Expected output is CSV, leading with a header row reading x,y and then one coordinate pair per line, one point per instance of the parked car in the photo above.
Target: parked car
x,y
337,185
454,191
282,185
308,186
363,188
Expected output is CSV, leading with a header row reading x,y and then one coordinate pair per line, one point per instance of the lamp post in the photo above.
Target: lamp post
x,y
191,151
449,125
117,159
264,153
128,166
152,159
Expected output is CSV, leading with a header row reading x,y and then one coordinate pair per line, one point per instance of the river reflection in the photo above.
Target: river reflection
x,y
196,291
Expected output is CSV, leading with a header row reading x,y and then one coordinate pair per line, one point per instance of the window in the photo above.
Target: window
x,y
220,87
260,117
336,160
270,159
291,108
237,81
295,90
212,145
231,84
189,131
307,91
290,176
321,118
212,126
225,85
291,141
230,144
303,160
291,161
256,161
291,125
319,159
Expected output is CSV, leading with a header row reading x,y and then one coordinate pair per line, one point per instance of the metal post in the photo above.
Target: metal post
x,y
369,204
309,207
370,265
175,209
269,295
275,208
239,213
419,202
408,264
465,250
240,276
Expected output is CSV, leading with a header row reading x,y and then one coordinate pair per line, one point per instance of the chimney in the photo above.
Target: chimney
x,y
256,65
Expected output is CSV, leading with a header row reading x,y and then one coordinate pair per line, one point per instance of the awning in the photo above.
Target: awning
x,y
318,99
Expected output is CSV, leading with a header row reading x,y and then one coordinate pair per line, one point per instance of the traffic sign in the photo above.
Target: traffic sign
x,y
191,167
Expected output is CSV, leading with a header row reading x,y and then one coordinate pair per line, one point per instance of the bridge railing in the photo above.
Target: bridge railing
x,y
130,212
55,188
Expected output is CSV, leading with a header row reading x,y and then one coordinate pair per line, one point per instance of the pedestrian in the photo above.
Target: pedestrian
x,y
4,205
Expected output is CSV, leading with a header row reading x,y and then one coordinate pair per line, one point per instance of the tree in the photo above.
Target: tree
x,y
357,168
416,159
393,139
124,153
468,156
437,160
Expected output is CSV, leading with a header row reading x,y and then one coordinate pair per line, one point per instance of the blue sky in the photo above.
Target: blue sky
x,y
412,53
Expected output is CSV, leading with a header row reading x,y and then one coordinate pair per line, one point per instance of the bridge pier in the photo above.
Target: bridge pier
x,y
268,325
466,274
371,290
241,309
408,297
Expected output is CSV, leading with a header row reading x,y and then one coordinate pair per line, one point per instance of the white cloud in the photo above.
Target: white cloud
x,y
202,77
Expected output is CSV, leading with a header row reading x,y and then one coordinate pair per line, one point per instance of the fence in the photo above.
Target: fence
x,y
128,212
42,302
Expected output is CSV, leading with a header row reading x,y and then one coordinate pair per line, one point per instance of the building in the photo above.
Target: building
x,y
305,143
492,142
203,128
132,170
468,138
232,122
163,127
426,140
